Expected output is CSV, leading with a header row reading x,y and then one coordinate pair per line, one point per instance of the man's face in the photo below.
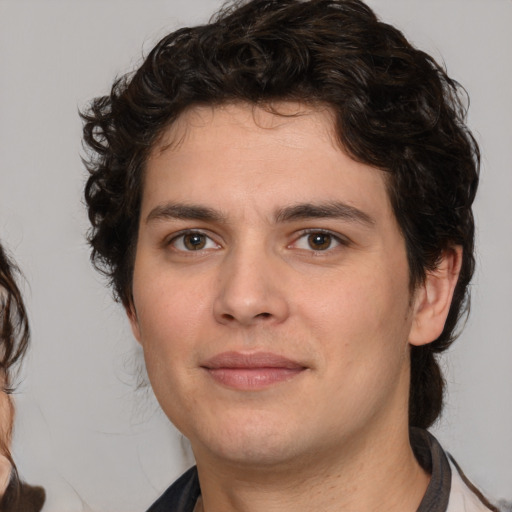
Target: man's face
x,y
271,288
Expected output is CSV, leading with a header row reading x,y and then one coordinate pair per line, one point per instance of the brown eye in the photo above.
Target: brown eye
x,y
319,241
194,241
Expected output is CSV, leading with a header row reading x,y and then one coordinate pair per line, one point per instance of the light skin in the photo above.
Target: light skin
x,y
6,416
271,297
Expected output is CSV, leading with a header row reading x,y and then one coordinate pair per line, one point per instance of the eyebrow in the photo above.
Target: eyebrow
x,y
332,210
185,212
301,211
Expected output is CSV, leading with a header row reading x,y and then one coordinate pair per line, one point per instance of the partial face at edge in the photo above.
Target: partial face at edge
x,y
271,287
6,419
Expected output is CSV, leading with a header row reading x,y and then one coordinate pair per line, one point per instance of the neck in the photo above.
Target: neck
x,y
373,476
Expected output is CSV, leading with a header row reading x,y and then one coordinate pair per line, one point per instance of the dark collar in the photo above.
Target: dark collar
x,y
432,459
182,495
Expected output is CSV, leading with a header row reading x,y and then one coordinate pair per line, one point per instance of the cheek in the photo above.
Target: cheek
x,y
168,323
169,308
359,301
362,339
173,317
362,320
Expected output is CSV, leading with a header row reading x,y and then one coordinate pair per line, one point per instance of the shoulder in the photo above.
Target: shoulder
x,y
464,496
181,496
449,489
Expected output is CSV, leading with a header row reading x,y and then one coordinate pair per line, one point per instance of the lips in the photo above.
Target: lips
x,y
251,372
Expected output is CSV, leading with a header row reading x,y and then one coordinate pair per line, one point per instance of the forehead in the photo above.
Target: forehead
x,y
285,122
280,155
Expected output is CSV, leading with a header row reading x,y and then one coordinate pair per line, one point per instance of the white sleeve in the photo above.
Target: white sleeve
x,y
462,498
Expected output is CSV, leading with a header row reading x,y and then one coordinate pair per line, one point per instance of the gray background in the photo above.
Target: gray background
x,y
83,430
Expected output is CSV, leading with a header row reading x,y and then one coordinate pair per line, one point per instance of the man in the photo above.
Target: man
x,y
282,201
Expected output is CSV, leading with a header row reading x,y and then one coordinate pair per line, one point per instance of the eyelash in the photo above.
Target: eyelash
x,y
181,237
335,237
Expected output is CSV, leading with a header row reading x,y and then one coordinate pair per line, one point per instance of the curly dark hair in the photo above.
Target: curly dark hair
x,y
395,109
14,339
14,328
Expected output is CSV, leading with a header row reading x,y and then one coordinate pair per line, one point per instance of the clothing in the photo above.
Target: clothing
x,y
21,497
448,490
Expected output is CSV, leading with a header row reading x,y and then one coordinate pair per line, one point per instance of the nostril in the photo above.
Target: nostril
x,y
264,315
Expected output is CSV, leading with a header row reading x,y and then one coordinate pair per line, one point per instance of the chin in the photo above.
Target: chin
x,y
256,443
255,455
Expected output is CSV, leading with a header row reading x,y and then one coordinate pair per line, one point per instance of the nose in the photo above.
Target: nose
x,y
251,290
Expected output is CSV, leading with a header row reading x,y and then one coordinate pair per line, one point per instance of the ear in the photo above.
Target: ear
x,y
131,313
433,298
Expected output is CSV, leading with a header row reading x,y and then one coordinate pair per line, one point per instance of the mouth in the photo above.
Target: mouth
x,y
251,372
